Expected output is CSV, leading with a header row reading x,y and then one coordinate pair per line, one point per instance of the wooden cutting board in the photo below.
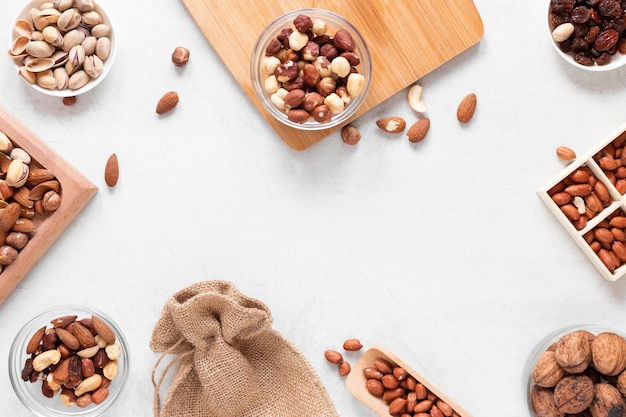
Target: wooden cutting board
x,y
407,40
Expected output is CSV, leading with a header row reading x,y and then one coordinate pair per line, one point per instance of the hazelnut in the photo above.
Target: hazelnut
x,y
287,71
310,75
322,64
51,201
297,84
311,101
180,56
329,51
343,40
326,86
303,23
294,98
350,135
273,47
352,58
322,114
283,37
298,115
8,254
310,51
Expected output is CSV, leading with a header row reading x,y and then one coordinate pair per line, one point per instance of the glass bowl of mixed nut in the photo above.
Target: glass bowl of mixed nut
x,y
63,47
311,69
589,34
577,370
69,360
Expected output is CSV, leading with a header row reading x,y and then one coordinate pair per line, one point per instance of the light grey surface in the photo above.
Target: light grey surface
x,y
441,251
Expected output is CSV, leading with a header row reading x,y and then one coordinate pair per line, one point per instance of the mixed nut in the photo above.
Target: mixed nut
x,y
28,192
309,73
582,373
61,45
76,358
592,30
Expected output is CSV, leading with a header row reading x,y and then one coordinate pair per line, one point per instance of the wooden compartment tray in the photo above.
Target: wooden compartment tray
x,y
76,191
355,382
407,39
585,229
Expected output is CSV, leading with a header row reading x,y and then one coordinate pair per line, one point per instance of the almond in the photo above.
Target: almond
x,y
565,153
104,331
35,340
391,124
167,102
63,321
84,336
352,345
68,338
466,108
418,131
333,356
111,171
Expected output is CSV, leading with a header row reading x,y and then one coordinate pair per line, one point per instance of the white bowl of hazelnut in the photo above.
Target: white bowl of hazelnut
x,y
578,370
589,35
63,48
311,69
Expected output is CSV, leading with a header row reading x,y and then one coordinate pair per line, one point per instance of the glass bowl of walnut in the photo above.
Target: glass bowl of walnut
x,y
69,360
590,34
63,48
311,69
577,370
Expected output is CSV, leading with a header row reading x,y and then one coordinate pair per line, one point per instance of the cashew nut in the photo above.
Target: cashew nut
x,y
415,101
45,359
88,384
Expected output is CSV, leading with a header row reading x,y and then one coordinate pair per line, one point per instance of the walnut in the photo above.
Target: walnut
x,y
607,402
609,353
620,384
573,394
547,372
542,401
573,351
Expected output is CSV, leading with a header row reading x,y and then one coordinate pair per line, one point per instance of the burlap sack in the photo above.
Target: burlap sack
x,y
231,363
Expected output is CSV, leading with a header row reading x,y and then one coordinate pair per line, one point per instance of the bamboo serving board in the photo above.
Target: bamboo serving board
x,y
355,382
76,191
407,40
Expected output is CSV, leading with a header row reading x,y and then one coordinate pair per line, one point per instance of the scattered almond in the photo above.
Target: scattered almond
x,y
167,102
111,171
391,124
418,131
466,109
565,153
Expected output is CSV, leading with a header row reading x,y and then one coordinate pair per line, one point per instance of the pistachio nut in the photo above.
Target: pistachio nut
x,y
50,14
90,44
62,77
69,19
84,5
78,79
103,47
40,22
52,35
17,173
5,143
101,30
21,154
72,38
45,79
77,55
28,75
39,49
37,36
93,66
62,5
91,18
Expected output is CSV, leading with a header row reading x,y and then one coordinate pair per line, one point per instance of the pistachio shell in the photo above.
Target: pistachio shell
x,y
19,47
40,22
40,49
69,19
89,44
62,77
93,66
72,38
24,28
91,18
103,48
101,30
39,64
50,14
78,80
37,36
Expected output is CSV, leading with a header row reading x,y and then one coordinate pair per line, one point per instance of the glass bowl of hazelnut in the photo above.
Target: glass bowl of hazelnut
x,y
571,368
63,48
69,361
588,35
311,69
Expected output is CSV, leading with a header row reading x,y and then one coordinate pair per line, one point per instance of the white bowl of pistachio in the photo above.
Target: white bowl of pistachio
x,y
63,48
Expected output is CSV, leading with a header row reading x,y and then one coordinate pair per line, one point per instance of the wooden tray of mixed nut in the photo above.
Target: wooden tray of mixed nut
x,y
426,35
40,195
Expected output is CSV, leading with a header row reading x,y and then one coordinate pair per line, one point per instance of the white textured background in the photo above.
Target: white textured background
x,y
441,251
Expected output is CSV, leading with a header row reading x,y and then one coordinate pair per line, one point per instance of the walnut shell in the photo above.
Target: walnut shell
x,y
542,401
573,351
573,394
607,402
547,371
620,384
609,353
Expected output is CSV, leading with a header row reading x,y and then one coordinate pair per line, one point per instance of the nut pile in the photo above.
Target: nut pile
x,y
76,358
405,395
62,45
612,160
309,73
593,30
608,240
581,374
580,196
28,192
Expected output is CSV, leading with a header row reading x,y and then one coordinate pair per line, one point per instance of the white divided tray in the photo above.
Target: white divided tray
x,y
583,230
